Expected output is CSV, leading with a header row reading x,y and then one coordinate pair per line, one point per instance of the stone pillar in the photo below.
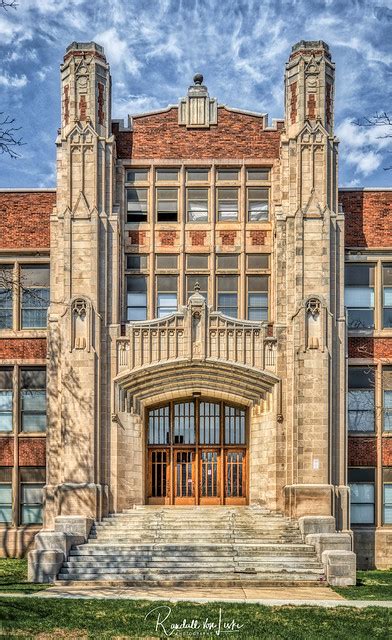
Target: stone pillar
x,y
310,310
82,305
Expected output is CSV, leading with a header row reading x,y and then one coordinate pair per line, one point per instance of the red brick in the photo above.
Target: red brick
x,y
160,136
6,452
386,452
228,237
197,238
372,348
137,237
32,452
368,216
362,452
258,238
24,219
23,348
167,238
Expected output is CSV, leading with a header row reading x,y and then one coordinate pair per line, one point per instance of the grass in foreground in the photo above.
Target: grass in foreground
x,y
371,585
13,577
44,618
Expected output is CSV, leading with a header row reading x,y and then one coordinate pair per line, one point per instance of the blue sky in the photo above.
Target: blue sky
x,y
155,47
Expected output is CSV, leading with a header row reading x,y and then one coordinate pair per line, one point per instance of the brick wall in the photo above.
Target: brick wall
x,y
24,219
368,216
377,348
160,136
32,452
22,348
6,452
387,452
362,452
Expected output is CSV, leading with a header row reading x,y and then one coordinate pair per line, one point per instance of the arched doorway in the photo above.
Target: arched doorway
x,y
197,453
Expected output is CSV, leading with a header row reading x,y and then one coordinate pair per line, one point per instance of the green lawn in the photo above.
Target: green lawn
x,y
371,585
13,577
44,619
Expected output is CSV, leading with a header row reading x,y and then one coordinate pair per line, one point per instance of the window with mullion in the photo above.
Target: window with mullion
x,y
6,397
227,204
387,501
361,399
167,297
362,495
359,296
387,398
387,295
197,205
34,282
137,205
167,205
258,201
257,298
227,302
5,495
33,400
32,482
136,298
6,296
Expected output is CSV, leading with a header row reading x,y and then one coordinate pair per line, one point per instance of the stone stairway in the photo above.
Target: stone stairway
x,y
190,546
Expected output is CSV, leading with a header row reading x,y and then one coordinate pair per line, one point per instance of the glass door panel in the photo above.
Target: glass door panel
x,y
209,477
184,481
158,476
235,477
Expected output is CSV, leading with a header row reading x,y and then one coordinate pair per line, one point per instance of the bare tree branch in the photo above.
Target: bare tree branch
x,y
381,119
8,4
9,140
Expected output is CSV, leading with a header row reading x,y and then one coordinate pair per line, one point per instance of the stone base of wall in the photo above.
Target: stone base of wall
x,y
308,500
68,499
383,548
15,543
373,547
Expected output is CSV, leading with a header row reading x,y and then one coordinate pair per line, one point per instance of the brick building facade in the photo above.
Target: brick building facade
x,y
195,348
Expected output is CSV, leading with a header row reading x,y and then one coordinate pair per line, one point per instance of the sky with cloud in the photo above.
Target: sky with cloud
x,y
155,47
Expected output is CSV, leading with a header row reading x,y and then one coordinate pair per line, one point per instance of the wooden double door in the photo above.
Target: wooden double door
x,y
197,453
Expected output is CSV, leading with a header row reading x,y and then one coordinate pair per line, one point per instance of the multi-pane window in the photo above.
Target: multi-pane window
x,y
257,204
227,296
359,296
227,204
136,262
387,295
136,298
6,395
258,175
197,261
361,399
197,205
137,205
169,175
6,296
201,280
257,261
33,399
167,205
166,261
257,298
166,295
227,261
34,281
32,481
137,175
387,397
228,175
387,495
197,175
5,495
362,495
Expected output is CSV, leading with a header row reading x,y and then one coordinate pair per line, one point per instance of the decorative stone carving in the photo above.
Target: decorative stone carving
x,y
313,323
80,330
198,110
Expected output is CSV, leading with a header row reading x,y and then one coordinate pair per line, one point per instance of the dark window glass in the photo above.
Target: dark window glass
x,y
387,397
194,279
387,295
361,399
136,298
167,205
136,175
258,298
34,281
228,174
166,295
159,426
33,399
137,207
234,425
362,501
359,296
257,261
226,261
167,174
166,261
136,262
197,261
258,200
6,396
258,174
228,295
184,423
6,296
197,175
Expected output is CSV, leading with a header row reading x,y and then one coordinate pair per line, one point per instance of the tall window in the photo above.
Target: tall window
x,y
6,396
257,204
228,295
387,295
167,205
5,495
361,482
6,296
197,205
227,203
361,399
387,397
32,481
34,281
359,296
136,298
257,298
33,399
166,295
387,495
137,207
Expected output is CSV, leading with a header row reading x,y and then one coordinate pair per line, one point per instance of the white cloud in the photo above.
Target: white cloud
x,y
17,82
117,50
363,147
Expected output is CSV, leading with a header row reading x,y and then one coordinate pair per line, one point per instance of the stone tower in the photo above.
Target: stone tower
x,y
309,283
83,235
